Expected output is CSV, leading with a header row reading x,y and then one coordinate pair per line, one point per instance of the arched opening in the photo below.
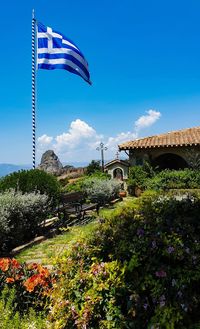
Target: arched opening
x,y
118,173
170,161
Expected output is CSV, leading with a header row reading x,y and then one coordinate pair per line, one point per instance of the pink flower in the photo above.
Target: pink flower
x,y
161,274
170,249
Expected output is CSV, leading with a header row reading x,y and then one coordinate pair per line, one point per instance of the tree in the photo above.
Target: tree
x,y
93,166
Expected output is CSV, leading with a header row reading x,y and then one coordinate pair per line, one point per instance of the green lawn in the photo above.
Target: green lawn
x,y
47,251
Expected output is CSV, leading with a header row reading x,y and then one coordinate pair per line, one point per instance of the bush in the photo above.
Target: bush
x,y
175,179
20,215
64,181
33,180
12,319
101,190
140,269
138,176
93,167
78,185
31,283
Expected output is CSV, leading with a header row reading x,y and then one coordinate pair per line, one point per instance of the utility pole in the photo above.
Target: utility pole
x,y
102,148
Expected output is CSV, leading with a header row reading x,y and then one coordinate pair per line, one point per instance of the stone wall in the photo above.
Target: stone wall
x,y
189,154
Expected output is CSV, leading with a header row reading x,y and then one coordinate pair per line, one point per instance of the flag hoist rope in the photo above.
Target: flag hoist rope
x,y
33,87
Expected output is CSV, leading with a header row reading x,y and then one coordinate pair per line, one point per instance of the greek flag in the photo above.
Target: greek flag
x,y
55,51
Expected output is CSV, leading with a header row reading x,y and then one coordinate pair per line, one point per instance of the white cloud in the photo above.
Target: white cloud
x,y
147,120
79,143
143,122
79,133
113,142
44,139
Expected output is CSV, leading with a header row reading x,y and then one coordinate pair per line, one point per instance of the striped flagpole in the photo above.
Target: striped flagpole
x,y
33,86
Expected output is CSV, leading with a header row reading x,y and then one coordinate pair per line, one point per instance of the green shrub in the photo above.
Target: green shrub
x,y
12,319
32,284
140,269
101,190
78,185
175,179
33,180
20,215
138,176
64,181
94,166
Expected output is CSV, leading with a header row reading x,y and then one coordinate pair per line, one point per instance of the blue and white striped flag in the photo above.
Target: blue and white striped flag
x,y
55,51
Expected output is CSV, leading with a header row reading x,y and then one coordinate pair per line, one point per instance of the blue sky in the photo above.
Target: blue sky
x,y
144,60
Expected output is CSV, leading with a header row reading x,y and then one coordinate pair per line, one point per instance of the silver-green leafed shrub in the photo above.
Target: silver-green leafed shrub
x,y
101,190
20,215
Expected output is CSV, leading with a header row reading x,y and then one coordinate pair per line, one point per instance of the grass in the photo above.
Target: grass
x,y
106,212
48,250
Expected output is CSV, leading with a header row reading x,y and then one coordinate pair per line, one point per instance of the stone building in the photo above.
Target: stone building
x,y
117,169
173,150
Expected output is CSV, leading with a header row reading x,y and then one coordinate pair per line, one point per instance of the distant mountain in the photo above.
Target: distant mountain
x,y
7,168
76,164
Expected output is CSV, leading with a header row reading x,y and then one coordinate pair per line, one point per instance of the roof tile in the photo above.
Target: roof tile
x,y
184,137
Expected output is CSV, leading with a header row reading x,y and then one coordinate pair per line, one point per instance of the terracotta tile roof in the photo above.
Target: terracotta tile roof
x,y
123,162
184,137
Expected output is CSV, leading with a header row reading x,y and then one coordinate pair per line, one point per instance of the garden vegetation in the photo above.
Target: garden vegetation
x,y
138,268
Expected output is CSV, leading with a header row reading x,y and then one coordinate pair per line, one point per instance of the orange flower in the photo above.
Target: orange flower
x,y
35,280
32,266
15,263
4,264
31,282
44,271
10,280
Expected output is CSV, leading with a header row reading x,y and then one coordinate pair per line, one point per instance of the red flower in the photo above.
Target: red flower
x,y
15,263
37,280
10,280
44,271
4,264
31,282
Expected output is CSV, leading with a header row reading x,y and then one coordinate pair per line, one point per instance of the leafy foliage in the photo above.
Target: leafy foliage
x,y
78,185
64,181
140,269
102,190
175,179
20,215
10,318
32,284
145,177
33,180
138,176
94,166
193,158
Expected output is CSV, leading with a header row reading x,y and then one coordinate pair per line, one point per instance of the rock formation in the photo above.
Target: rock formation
x,y
50,163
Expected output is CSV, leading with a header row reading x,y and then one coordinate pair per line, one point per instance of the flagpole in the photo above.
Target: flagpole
x,y
33,87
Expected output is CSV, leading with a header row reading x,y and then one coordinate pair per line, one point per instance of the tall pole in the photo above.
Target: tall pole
x,y
33,87
102,149
102,159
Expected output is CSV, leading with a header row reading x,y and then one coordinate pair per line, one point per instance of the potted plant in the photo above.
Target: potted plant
x,y
122,193
136,181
